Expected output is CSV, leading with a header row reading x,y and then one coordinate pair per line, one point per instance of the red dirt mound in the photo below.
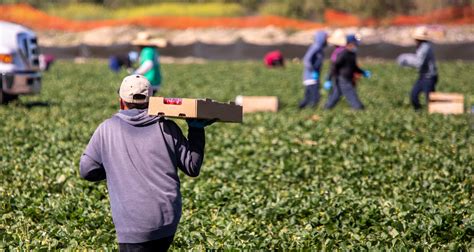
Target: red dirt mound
x,y
36,19
449,15
29,16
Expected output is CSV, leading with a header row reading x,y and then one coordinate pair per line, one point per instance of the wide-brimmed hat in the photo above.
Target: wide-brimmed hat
x,y
145,39
421,33
337,38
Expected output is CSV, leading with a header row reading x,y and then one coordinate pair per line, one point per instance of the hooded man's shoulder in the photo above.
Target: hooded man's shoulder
x,y
111,120
102,127
107,123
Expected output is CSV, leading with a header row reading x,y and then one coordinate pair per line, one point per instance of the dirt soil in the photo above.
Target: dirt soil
x,y
261,36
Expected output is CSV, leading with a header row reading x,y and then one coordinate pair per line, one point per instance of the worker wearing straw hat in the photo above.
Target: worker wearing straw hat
x,y
424,61
149,58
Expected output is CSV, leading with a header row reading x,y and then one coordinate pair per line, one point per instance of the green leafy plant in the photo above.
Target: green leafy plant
x,y
382,179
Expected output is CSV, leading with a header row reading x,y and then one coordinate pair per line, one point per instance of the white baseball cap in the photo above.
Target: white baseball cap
x,y
135,88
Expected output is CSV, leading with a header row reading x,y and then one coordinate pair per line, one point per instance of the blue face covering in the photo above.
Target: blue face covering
x,y
352,48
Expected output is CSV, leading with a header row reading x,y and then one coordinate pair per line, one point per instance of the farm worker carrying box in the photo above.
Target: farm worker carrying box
x,y
424,61
149,58
313,61
344,71
139,155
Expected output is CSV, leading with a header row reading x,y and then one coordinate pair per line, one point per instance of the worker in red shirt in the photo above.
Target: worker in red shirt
x,y
274,59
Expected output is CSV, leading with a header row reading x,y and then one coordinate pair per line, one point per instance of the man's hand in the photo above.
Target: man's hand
x,y
199,123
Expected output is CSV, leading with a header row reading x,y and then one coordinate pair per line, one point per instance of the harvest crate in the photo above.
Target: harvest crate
x,y
252,104
195,108
446,103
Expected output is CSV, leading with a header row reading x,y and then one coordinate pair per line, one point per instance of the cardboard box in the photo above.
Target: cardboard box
x,y
252,104
184,108
446,103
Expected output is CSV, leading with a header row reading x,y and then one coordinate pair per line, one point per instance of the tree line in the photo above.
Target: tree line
x,y
292,8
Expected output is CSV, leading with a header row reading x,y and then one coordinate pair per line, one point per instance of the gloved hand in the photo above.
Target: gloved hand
x,y
404,59
199,123
327,85
315,75
367,74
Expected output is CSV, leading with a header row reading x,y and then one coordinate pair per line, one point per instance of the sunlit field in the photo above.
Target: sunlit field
x,y
383,178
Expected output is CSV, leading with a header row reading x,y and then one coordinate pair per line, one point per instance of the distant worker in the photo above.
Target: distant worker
x,y
45,61
117,62
338,39
313,62
274,59
344,73
149,58
139,155
424,61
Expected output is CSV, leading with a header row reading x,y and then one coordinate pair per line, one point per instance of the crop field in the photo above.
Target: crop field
x,y
383,178
85,11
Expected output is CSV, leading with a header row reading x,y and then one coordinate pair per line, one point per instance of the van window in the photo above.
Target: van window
x,y
23,44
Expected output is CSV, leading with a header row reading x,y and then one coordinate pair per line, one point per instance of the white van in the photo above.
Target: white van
x,y
19,62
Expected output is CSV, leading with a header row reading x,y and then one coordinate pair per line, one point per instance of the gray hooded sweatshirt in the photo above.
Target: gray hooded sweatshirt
x,y
314,58
424,60
138,155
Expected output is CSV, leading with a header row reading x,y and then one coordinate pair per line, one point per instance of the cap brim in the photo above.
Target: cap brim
x,y
139,101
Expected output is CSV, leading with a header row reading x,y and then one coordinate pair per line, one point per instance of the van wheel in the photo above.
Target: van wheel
x,y
6,98
11,97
